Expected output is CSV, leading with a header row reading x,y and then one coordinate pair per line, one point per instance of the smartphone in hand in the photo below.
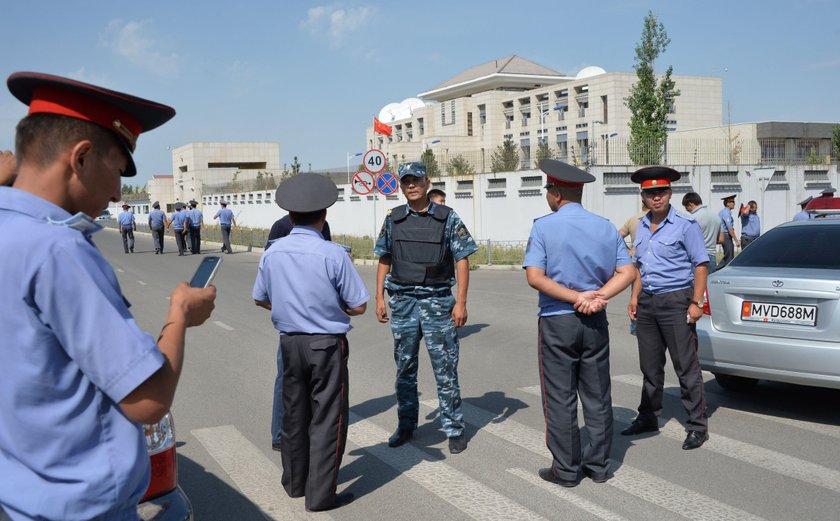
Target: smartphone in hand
x,y
206,271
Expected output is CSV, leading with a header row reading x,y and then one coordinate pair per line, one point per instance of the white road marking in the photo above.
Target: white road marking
x,y
254,474
121,270
766,459
142,283
648,487
567,495
222,325
456,488
673,390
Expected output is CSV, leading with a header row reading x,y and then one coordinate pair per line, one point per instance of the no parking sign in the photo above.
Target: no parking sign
x,y
386,183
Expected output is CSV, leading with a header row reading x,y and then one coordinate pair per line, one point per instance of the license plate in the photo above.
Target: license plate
x,y
779,313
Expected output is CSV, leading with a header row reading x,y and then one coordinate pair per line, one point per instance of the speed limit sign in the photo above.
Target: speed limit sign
x,y
374,161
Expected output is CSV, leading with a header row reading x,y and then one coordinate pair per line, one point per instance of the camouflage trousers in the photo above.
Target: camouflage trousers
x,y
426,316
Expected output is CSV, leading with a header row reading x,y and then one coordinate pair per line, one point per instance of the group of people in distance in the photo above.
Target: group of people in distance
x,y
81,377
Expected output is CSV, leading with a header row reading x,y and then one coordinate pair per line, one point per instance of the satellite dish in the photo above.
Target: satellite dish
x,y
389,112
588,72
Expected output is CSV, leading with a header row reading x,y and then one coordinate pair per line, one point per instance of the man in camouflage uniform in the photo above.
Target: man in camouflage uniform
x,y
422,248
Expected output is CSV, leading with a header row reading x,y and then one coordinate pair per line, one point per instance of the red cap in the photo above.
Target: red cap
x,y
125,115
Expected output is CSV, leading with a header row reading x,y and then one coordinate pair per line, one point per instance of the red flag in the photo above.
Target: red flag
x,y
381,128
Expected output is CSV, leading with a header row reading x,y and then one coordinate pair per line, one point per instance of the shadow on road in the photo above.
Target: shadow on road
x,y
212,498
470,329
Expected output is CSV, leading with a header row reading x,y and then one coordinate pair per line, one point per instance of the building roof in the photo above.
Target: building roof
x,y
161,177
510,72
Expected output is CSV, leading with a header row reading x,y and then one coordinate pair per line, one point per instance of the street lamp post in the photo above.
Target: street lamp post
x,y
349,155
592,138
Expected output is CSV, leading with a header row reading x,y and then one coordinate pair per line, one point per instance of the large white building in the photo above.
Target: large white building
x,y
515,99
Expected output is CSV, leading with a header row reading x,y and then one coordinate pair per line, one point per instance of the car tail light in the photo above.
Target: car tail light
x,y
707,309
160,443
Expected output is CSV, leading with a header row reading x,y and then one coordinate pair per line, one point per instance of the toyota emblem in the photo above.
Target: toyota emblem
x,y
778,283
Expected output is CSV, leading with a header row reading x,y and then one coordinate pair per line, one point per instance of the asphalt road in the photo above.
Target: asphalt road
x,y
772,453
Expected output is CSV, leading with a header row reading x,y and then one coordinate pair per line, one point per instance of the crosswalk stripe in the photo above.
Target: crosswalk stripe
x,y
767,459
648,487
673,390
456,488
254,474
567,495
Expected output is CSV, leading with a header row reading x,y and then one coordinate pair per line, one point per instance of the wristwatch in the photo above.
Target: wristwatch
x,y
698,303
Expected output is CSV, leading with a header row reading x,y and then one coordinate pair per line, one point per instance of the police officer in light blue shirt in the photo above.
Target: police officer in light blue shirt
x,y
127,227
195,225
158,224
226,219
311,288
180,221
577,261
804,215
750,224
78,375
671,263
727,228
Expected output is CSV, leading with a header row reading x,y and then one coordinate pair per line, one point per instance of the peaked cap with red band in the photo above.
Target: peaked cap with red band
x,y
561,174
125,115
655,177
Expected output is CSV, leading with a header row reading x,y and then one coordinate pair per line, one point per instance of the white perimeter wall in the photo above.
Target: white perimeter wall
x,y
506,214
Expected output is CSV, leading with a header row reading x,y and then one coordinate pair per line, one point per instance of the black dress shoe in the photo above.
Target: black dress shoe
x,y
400,437
639,427
457,444
342,499
597,478
549,476
695,439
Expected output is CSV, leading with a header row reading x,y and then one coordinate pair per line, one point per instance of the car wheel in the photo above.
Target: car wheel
x,y
735,383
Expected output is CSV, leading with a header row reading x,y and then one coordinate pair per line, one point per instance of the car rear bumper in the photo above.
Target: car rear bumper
x,y
173,506
768,358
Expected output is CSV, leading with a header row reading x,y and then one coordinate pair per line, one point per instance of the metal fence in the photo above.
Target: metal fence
x,y
489,252
616,151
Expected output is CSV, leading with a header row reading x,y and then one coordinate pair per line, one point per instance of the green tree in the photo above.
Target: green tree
x,y
835,141
428,159
505,158
259,182
650,101
459,165
544,151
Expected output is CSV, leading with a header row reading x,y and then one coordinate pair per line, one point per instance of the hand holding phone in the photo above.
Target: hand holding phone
x,y
206,271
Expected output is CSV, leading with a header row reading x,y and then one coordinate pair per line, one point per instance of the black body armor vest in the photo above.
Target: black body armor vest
x,y
420,253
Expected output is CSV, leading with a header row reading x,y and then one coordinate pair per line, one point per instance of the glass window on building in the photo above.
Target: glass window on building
x,y
582,106
525,145
421,129
562,148
772,149
583,146
482,114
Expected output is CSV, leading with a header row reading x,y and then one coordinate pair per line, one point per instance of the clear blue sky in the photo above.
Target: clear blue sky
x,y
312,75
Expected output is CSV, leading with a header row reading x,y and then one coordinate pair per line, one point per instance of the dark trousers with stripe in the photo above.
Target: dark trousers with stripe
x,y
157,236
728,249
180,240
661,325
195,239
574,356
315,399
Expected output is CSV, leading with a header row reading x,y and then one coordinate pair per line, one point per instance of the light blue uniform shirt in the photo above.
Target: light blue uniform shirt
x,y
575,248
71,352
750,225
196,217
309,282
126,219
802,216
156,218
726,220
178,220
667,258
225,216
